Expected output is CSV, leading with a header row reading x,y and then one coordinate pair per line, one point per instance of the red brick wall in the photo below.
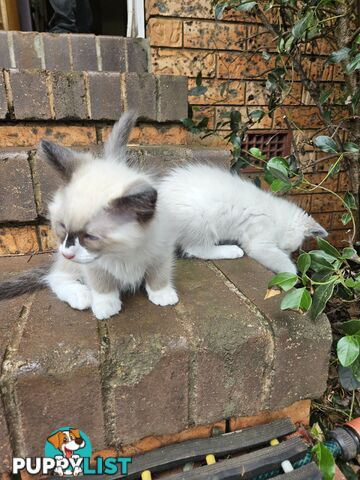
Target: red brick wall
x,y
185,38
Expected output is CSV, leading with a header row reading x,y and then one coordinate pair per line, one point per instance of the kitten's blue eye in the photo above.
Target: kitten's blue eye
x,y
87,236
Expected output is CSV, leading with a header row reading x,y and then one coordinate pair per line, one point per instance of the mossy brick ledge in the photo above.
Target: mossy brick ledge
x,y
222,352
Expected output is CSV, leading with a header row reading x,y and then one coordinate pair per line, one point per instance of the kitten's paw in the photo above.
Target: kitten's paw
x,y
230,251
163,297
106,305
78,296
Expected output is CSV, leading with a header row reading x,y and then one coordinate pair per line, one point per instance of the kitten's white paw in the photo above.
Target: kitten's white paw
x,y
230,251
163,297
105,305
78,296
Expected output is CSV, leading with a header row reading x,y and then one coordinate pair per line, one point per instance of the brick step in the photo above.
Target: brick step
x,y
222,352
75,52
60,95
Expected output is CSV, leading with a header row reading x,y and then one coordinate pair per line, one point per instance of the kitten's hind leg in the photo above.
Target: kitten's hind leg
x,y
272,258
64,281
158,283
216,252
105,293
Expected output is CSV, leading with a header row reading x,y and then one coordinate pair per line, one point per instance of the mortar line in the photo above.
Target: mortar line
x,y
269,369
7,384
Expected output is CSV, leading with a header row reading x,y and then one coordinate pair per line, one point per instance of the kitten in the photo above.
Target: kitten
x,y
111,233
211,205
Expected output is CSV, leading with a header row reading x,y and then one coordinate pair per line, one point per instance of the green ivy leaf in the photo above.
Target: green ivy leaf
x,y
285,280
325,461
355,367
279,168
197,91
354,64
328,248
345,218
339,55
256,115
320,298
199,79
347,378
278,186
324,96
326,144
246,6
349,201
256,152
351,327
304,262
351,147
348,350
321,260
219,10
348,252
296,299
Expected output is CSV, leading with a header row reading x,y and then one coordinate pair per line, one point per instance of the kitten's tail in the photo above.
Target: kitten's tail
x,y
27,282
120,133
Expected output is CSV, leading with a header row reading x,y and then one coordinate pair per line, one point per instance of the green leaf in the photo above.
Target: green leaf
x,y
296,299
354,64
304,262
279,168
300,28
349,201
278,186
348,350
348,252
347,378
246,6
351,327
256,115
351,147
219,10
320,298
326,144
339,55
321,260
325,461
327,248
284,280
199,79
324,96
351,283
355,367
256,152
345,218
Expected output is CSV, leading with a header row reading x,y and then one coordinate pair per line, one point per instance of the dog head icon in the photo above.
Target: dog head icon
x,y
67,441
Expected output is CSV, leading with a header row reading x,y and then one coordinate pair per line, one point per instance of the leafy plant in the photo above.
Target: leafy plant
x,y
325,461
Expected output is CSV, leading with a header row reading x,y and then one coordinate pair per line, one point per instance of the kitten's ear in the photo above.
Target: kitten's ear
x,y
63,159
120,133
138,202
314,229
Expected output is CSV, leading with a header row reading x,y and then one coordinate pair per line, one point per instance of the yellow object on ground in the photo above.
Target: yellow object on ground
x,y
210,459
146,475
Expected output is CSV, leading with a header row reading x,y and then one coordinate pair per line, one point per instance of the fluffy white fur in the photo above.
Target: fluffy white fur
x,y
111,233
210,205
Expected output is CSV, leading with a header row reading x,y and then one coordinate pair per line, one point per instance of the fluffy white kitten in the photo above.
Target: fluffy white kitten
x,y
210,205
111,233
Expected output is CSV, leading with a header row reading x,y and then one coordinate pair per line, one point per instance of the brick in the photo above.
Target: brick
x,y
265,122
28,50
218,92
69,95
325,202
136,55
299,412
57,51
336,221
21,135
168,61
158,135
47,239
317,70
105,95
338,74
163,32
84,52
140,93
325,219
344,182
214,35
293,97
4,51
244,65
54,364
18,240
204,111
302,347
113,53
304,117
30,96
172,98
256,93
47,180
16,190
303,201
3,99
258,38
340,238
179,8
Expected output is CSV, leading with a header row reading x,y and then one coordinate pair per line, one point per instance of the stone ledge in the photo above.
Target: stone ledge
x,y
87,95
221,352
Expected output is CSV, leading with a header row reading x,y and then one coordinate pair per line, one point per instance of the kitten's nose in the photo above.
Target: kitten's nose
x,y
69,256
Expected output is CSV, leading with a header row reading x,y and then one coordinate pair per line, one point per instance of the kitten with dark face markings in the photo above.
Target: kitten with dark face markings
x,y
111,233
